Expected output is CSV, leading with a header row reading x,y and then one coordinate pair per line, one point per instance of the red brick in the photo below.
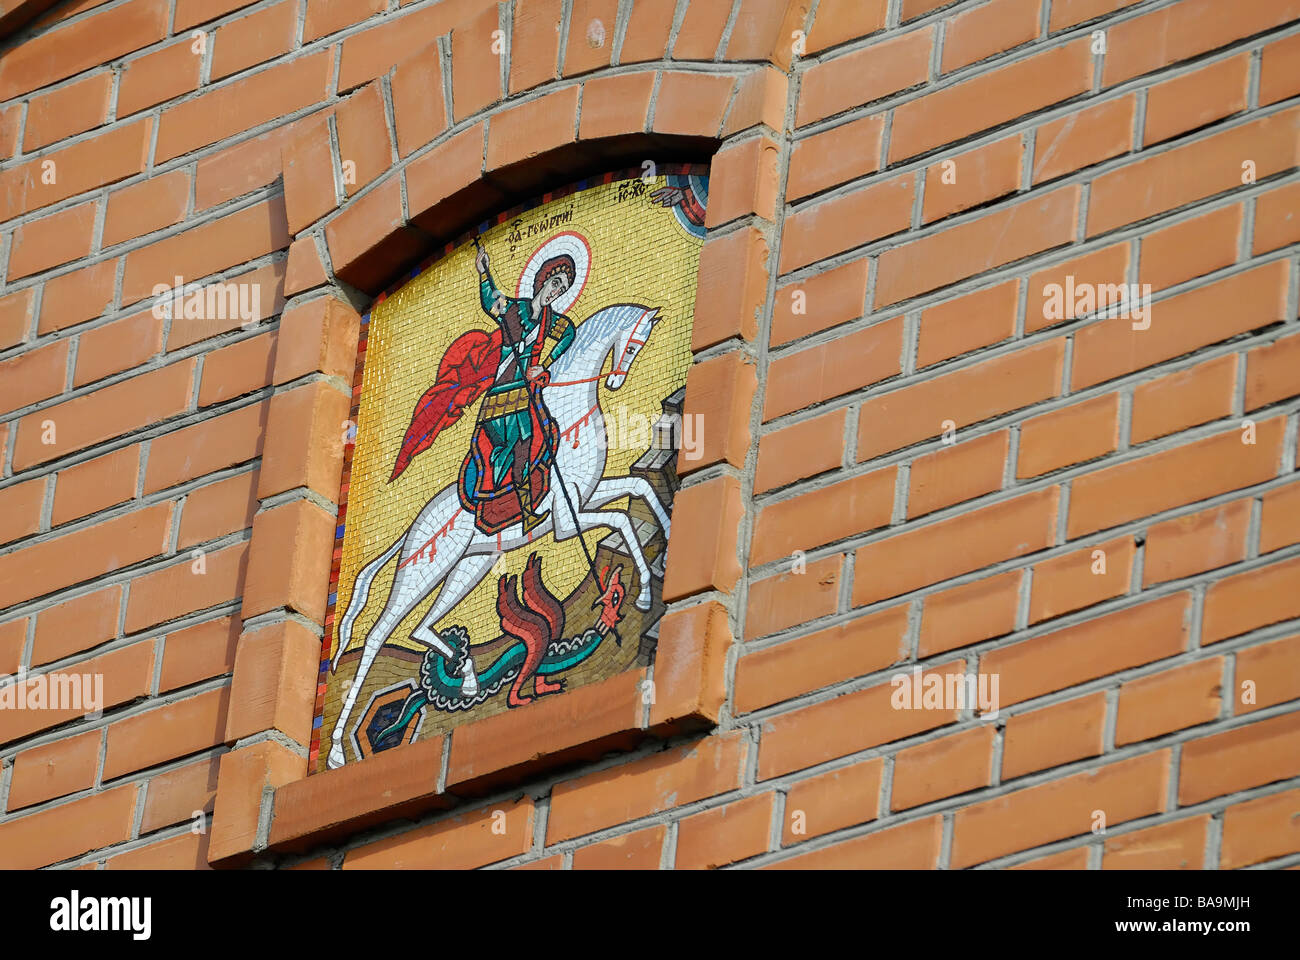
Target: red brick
x,y
459,843
1083,138
644,787
820,659
849,723
969,613
165,733
1191,249
21,506
265,35
68,830
1058,293
1073,434
1008,234
1196,99
966,323
35,375
1054,735
724,835
1271,372
1196,542
1198,170
591,36
80,295
1260,829
800,451
159,76
535,44
646,36
1184,399
1276,221
240,368
963,397
910,846
80,623
419,112
968,470
16,317
1164,702
613,106
64,52
702,550
87,554
1185,30
786,599
1265,751
207,249
1280,518
850,80
218,509
848,363
1169,846
824,229
943,768
235,107
214,444
147,206
107,413
1080,579
692,104
1238,604
1272,671
839,21
330,16
198,653
291,563
993,28
96,484
949,548
701,31
1125,790
1105,644
59,238
1277,81
990,99
1067,13
112,156
639,850
832,801
196,583
1161,481
834,156
819,302
732,288
67,111
54,770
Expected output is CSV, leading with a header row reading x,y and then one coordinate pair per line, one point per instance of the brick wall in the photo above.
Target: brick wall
x,y
916,460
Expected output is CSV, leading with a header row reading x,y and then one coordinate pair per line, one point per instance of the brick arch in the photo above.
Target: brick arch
x,y
411,197
419,174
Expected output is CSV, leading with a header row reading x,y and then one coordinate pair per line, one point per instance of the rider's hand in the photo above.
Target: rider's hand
x,y
481,261
535,372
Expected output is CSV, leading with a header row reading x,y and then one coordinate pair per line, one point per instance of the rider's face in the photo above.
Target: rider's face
x,y
553,287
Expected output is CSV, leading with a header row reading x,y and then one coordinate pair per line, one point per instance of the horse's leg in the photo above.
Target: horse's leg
x,y
614,520
403,596
611,488
463,578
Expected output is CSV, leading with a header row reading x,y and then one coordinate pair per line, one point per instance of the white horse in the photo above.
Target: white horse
x,y
443,546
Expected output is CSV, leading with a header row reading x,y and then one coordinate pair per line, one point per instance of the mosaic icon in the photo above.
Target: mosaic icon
x,y
506,506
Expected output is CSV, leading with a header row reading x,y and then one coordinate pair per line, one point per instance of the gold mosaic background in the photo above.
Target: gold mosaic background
x,y
639,254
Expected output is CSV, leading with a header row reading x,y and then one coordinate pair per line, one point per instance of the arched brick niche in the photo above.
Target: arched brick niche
x,y
409,161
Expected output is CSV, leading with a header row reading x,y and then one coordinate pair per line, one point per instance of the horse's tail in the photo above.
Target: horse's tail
x,y
360,594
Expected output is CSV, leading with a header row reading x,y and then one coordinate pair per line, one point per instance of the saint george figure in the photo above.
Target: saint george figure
x,y
515,439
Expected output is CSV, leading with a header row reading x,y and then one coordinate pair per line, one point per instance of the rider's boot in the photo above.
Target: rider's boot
x,y
531,519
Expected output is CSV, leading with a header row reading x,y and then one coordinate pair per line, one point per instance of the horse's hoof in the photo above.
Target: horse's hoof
x,y
642,603
336,758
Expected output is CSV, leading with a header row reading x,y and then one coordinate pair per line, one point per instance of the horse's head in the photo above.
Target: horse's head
x,y
631,337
